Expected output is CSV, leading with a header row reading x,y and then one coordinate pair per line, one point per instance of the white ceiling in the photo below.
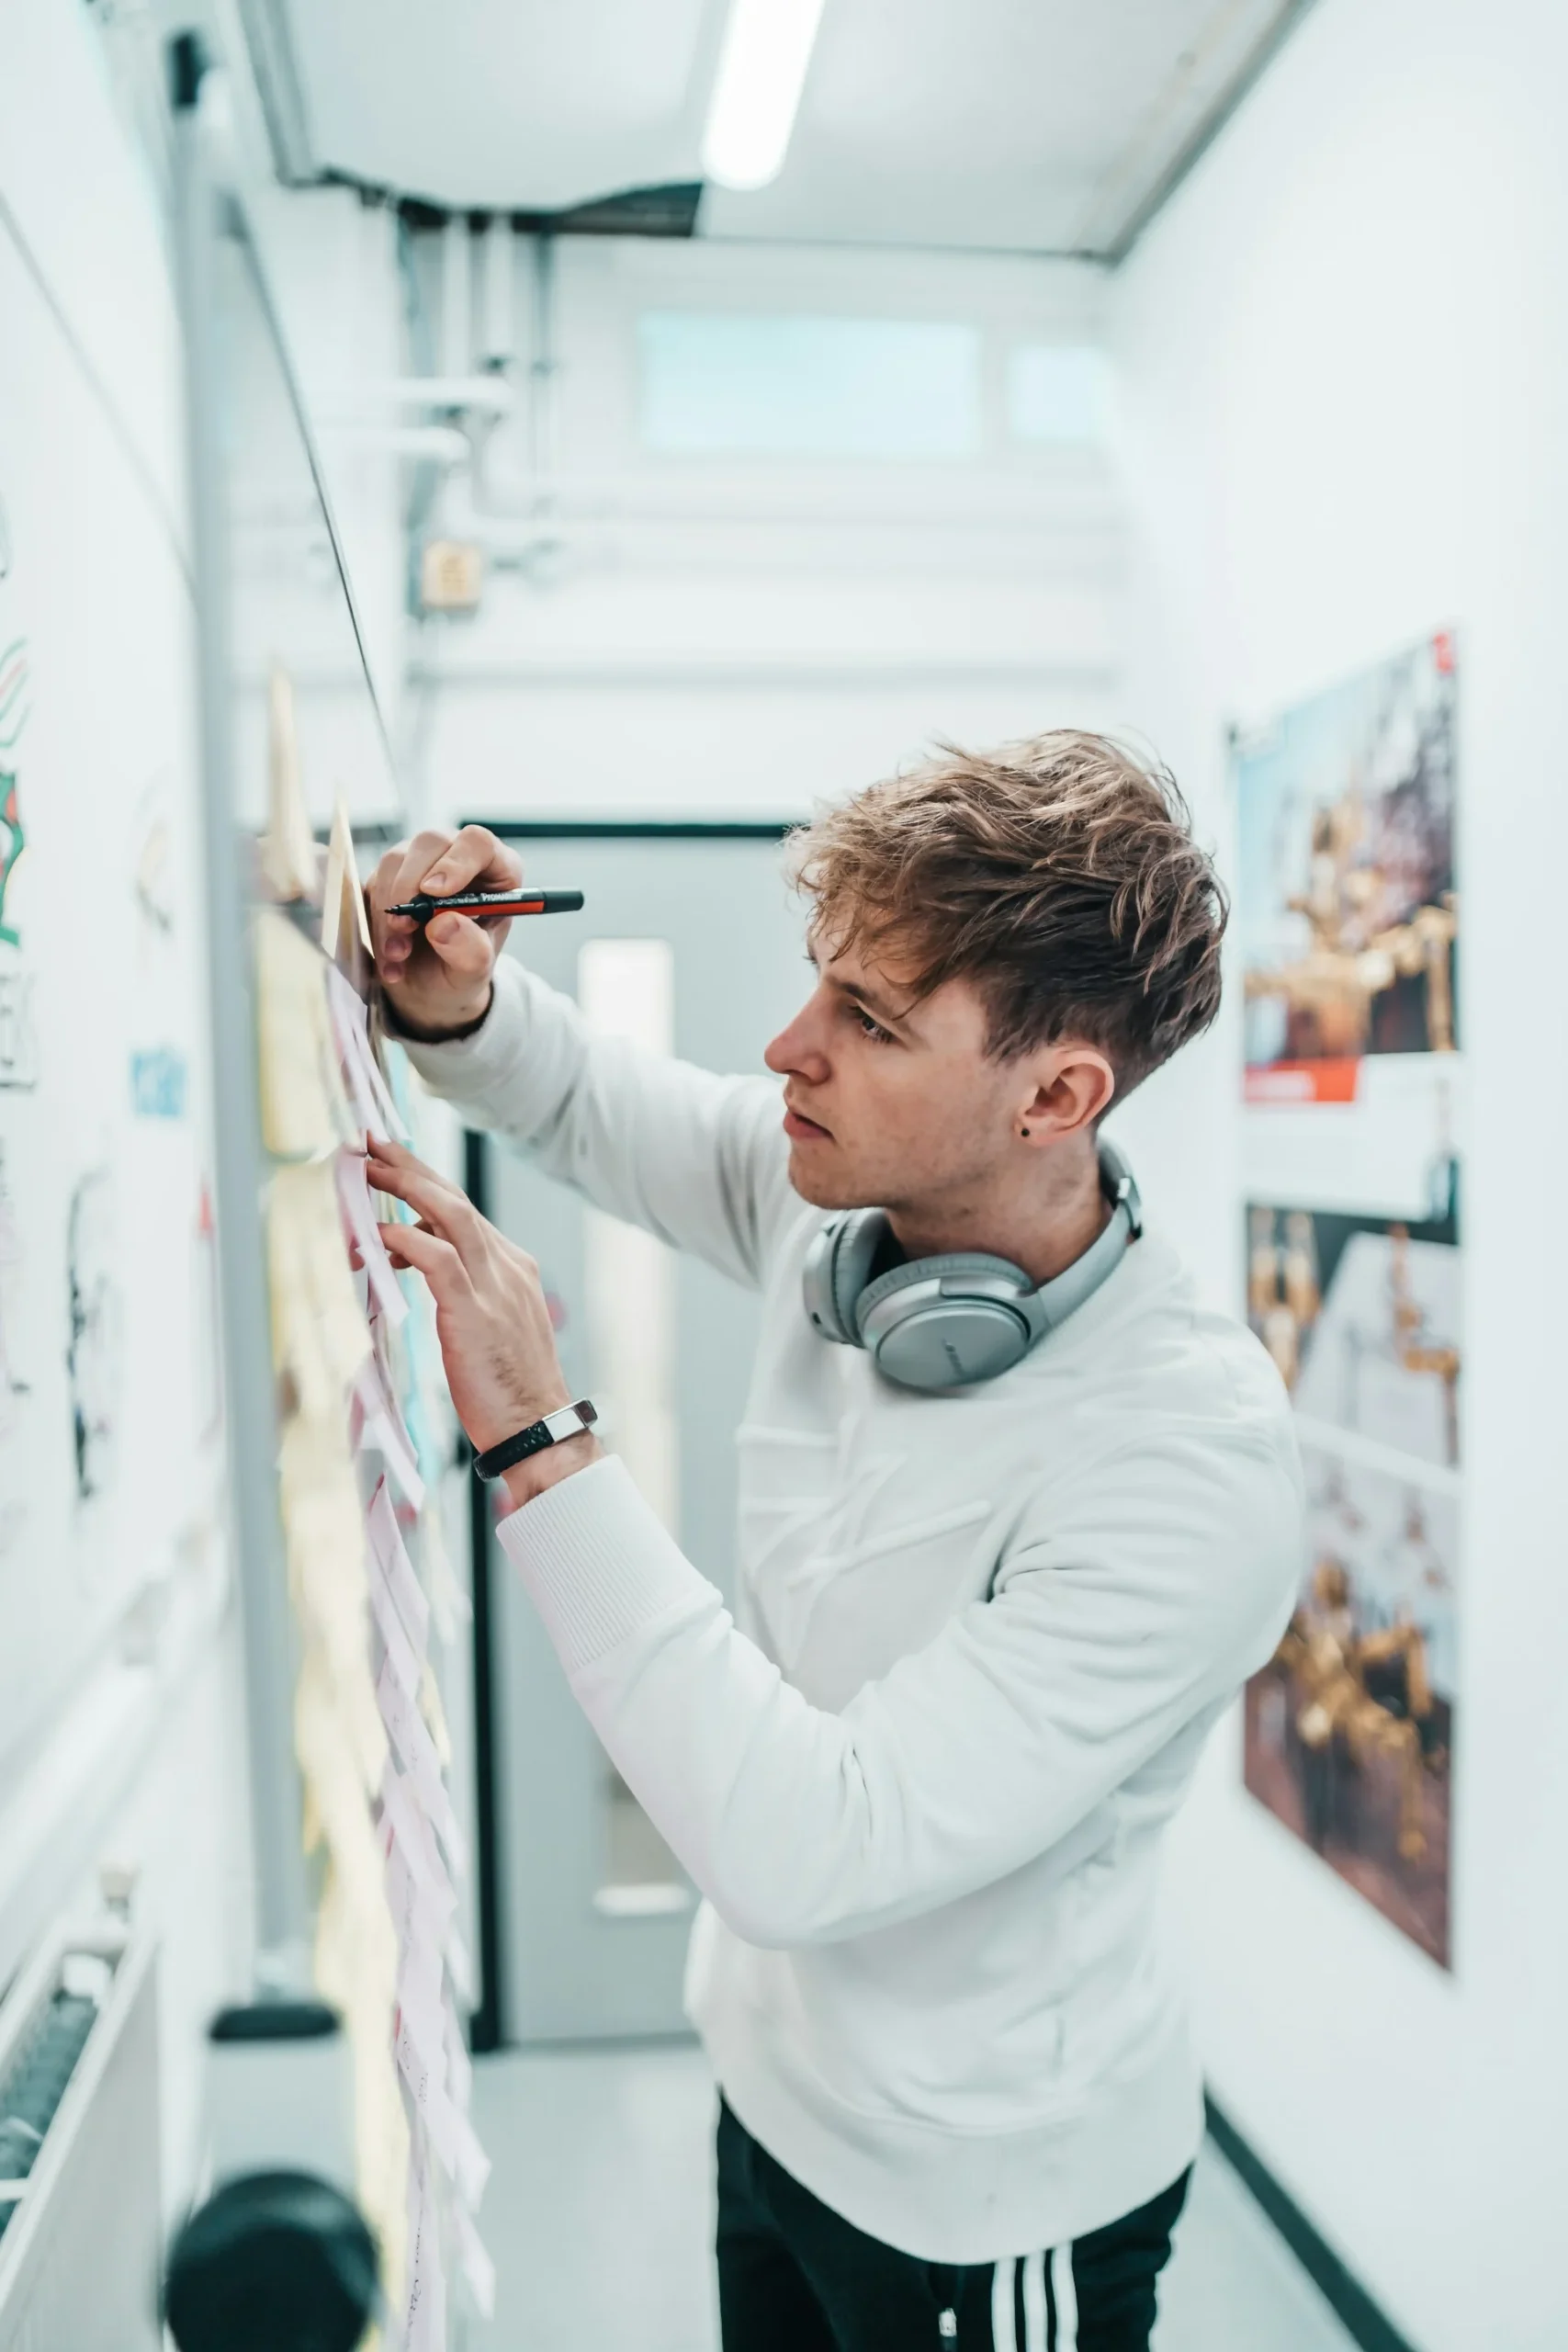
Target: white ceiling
x,y
1032,125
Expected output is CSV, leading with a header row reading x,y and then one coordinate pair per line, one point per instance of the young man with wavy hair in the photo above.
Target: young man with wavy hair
x,y
1017,1515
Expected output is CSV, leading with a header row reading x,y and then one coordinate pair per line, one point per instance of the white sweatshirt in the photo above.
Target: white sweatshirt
x,y
921,1777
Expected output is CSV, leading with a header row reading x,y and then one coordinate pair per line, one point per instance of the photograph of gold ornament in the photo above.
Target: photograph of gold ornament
x,y
1350,1729
1348,907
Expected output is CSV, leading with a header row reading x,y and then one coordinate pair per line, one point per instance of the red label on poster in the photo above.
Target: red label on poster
x,y
1333,1081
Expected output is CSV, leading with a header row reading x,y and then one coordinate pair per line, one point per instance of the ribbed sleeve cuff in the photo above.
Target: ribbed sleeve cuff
x,y
598,1565
465,1067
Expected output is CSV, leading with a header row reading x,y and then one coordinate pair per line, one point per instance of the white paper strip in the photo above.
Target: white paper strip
x,y
415,1840
401,1658
478,2268
372,1097
459,2066
389,1554
455,2141
352,1050
418,2034
379,1424
419,1907
424,2298
411,1736
353,1192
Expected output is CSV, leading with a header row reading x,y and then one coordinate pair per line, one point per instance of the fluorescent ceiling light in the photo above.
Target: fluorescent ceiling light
x,y
761,71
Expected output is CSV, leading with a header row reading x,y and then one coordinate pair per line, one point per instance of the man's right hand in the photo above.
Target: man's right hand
x,y
437,977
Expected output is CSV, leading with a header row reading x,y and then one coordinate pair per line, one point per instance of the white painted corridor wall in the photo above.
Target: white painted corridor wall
x,y
1346,352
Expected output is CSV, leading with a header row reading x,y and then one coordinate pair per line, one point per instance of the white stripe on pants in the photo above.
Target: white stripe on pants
x,y
1004,2330
1037,2333
1035,2303
1064,2289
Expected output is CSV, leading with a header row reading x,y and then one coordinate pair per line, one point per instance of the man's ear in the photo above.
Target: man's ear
x,y
1073,1087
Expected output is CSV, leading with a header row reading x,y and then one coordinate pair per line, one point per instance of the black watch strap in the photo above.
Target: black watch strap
x,y
564,1423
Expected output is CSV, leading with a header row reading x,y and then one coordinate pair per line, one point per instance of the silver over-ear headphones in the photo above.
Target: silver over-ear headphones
x,y
939,1323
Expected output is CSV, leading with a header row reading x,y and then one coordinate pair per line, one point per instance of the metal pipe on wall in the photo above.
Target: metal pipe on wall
x,y
498,329
457,298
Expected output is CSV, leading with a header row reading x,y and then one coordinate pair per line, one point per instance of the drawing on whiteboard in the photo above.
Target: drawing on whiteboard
x,y
159,1069
13,840
158,1083
153,862
94,1355
18,1031
13,1389
16,706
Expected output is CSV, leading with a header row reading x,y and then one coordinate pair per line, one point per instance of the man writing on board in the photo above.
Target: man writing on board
x,y
1017,1515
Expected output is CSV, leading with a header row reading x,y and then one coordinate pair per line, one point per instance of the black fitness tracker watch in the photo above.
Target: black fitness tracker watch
x,y
565,1423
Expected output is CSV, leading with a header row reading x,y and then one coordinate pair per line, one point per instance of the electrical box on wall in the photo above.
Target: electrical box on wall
x,y
451,576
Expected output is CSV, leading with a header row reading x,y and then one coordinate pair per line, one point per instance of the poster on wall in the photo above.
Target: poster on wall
x,y
1349,912
1349,918
1350,1729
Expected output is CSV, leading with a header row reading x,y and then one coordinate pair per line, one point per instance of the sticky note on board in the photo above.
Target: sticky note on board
x,y
425,2292
304,1111
390,1562
354,1191
410,1737
376,1424
345,924
289,847
320,1338
374,1109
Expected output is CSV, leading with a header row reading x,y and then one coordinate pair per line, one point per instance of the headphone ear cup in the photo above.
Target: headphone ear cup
x,y
942,1323
835,1271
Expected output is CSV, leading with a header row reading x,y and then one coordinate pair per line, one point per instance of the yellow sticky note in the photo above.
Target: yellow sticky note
x,y
288,847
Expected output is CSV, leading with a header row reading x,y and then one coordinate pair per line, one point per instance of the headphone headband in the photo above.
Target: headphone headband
x,y
946,1322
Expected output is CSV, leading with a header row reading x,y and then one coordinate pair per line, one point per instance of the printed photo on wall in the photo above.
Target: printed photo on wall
x,y
1347,908
1350,1729
1362,1315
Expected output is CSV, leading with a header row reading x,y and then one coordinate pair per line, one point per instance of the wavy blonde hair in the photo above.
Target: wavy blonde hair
x,y
1059,875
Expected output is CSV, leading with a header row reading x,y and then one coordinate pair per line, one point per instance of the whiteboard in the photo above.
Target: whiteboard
x,y
109,1405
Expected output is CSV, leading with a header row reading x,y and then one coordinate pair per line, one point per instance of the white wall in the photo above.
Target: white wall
x,y
1346,352
123,1744
716,638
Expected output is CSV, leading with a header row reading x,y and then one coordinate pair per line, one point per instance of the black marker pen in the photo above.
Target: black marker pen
x,y
491,902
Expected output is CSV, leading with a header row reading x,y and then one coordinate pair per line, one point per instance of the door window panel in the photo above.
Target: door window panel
x,y
626,988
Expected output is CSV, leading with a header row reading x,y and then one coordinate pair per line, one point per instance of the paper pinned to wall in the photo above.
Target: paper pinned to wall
x,y
425,2301
376,1424
377,1112
288,857
410,1737
304,1109
346,925
320,1338
390,1561
353,1192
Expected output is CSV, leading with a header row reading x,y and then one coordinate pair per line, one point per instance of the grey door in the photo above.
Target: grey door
x,y
697,945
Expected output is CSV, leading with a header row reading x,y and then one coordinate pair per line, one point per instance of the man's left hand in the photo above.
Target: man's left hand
x,y
491,1318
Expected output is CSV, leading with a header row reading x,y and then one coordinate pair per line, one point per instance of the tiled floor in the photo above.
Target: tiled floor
x,y
598,2215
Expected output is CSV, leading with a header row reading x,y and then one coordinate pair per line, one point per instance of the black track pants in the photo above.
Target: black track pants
x,y
792,2276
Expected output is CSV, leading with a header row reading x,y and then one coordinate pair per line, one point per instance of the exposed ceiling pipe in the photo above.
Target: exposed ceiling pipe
x,y
458,388
498,331
457,345
440,444
542,366
532,499
486,395
623,505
